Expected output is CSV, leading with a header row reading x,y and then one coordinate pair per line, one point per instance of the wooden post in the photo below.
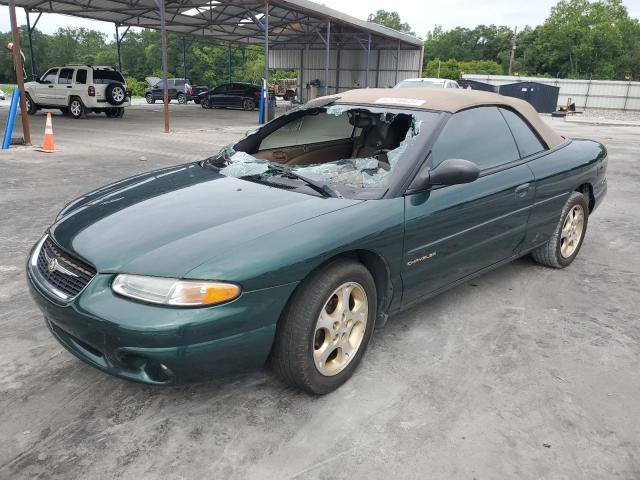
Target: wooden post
x,y
17,60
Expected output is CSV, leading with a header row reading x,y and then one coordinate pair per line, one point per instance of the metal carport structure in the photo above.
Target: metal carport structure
x,y
279,25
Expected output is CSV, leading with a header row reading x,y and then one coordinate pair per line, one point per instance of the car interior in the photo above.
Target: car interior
x,y
317,137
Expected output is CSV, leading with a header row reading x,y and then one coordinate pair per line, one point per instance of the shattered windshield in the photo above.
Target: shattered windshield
x,y
336,150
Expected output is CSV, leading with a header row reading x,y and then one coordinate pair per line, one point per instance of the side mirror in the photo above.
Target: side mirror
x,y
453,171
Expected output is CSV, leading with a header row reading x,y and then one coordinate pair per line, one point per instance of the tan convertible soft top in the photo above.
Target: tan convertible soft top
x,y
448,100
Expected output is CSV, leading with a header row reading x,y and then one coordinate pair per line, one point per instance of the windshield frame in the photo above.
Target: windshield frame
x,y
413,156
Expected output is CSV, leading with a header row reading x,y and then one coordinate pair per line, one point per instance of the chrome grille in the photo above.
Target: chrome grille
x,y
62,271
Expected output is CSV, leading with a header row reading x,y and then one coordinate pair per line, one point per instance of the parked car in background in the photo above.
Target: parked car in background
x,y
178,88
79,89
292,245
427,83
232,95
3,96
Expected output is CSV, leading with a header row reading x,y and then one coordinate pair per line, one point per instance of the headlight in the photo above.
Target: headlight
x,y
171,291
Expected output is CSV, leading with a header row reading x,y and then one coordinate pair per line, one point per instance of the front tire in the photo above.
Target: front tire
x,y
149,98
565,243
182,98
326,327
31,106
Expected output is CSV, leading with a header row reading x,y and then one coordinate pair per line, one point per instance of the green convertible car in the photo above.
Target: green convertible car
x,y
292,245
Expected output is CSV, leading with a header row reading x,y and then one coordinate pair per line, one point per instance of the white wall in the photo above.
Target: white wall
x,y
608,94
353,66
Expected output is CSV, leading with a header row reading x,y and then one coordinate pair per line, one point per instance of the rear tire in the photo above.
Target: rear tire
x,y
565,243
182,98
248,104
325,328
76,108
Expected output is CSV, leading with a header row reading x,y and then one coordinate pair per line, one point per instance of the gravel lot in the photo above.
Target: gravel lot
x,y
526,372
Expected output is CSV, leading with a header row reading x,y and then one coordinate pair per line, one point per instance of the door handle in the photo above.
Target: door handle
x,y
69,86
50,86
522,190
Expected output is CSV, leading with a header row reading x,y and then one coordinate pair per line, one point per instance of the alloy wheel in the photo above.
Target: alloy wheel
x,y
340,328
572,230
118,94
247,104
76,108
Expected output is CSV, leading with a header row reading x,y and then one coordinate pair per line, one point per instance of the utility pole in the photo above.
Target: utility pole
x,y
513,50
17,59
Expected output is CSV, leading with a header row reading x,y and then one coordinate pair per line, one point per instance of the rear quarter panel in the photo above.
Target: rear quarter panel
x,y
558,173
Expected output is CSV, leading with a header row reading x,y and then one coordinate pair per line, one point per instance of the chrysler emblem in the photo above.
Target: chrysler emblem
x,y
52,265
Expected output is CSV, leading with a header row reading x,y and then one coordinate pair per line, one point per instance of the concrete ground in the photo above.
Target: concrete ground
x,y
526,372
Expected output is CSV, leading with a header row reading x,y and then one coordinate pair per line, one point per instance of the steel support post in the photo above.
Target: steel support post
x,y
326,58
184,58
337,68
301,79
118,48
366,75
30,33
265,93
397,61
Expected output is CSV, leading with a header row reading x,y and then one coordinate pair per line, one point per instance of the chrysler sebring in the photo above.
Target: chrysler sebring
x,y
292,245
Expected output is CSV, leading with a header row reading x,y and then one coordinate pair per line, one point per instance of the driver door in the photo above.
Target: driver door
x,y
45,88
452,232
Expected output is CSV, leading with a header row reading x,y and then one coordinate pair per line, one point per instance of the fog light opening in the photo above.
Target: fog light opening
x,y
158,372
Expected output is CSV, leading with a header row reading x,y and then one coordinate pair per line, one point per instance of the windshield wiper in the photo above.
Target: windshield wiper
x,y
323,188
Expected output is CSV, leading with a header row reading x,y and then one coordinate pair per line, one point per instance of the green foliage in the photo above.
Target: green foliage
x,y
277,75
454,69
391,20
206,64
580,39
136,86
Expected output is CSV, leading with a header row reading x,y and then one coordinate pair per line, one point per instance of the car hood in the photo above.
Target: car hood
x,y
168,222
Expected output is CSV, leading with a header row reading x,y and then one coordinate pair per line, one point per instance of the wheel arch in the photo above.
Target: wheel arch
x,y
587,190
379,270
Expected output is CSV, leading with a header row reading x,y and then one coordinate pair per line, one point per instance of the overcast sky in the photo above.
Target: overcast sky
x,y
422,15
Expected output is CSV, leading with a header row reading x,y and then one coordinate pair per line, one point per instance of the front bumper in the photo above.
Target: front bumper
x,y
161,345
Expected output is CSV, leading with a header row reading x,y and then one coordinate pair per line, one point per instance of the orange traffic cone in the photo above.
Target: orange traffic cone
x,y
47,142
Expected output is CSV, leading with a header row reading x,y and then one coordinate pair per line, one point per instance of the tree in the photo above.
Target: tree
x,y
585,39
391,20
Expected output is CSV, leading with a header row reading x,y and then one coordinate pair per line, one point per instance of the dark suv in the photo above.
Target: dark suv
x,y
179,89
232,95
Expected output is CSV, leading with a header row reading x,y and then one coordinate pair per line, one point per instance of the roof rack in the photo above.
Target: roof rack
x,y
77,65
